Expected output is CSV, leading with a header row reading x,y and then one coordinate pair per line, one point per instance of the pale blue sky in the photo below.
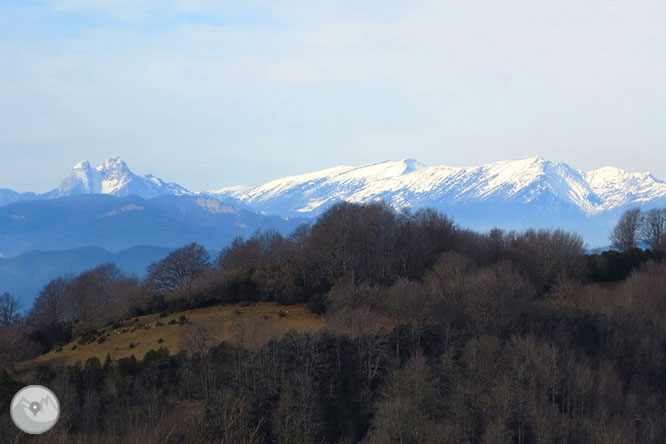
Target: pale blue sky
x,y
209,93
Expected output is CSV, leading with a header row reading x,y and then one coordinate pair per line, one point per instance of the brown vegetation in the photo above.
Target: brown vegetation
x,y
433,334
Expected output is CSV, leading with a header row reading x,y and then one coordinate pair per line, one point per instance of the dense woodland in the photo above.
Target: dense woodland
x,y
435,334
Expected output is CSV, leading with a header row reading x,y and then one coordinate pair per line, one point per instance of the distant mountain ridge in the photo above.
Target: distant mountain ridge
x,y
515,194
117,223
511,194
409,183
405,183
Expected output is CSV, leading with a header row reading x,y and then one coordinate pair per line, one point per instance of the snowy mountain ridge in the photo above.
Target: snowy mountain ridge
x,y
409,183
517,193
513,194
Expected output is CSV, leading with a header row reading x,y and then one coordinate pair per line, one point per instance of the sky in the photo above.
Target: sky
x,y
212,93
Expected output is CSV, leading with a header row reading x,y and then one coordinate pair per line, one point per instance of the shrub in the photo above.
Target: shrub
x,y
317,303
88,337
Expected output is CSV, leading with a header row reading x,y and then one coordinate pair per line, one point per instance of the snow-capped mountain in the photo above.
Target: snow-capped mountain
x,y
536,185
531,183
115,178
618,188
515,194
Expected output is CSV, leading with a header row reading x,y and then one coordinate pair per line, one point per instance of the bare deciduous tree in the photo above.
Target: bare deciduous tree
x,y
198,336
410,303
549,256
625,234
14,345
49,307
231,420
177,274
9,309
92,297
499,295
653,229
405,414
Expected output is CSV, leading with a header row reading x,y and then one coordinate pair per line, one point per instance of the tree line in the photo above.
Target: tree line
x,y
370,243
637,228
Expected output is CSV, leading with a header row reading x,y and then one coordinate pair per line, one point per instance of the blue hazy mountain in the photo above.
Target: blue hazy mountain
x,y
118,223
8,196
24,275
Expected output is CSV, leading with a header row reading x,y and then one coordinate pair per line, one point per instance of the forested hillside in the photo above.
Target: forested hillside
x,y
433,334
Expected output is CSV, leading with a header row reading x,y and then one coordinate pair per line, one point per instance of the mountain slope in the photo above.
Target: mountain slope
x,y
618,188
117,223
8,196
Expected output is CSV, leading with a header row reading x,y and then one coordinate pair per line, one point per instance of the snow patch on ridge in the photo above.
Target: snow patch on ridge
x,y
123,209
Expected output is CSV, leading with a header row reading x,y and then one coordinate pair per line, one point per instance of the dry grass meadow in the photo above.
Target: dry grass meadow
x,y
250,326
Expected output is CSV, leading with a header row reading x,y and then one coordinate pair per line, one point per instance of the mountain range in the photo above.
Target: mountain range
x,y
532,181
111,207
408,183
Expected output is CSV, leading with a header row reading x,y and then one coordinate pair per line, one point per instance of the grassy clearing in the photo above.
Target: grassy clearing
x,y
250,326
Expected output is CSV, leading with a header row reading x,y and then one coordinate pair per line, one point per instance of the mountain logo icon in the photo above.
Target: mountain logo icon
x,y
35,409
